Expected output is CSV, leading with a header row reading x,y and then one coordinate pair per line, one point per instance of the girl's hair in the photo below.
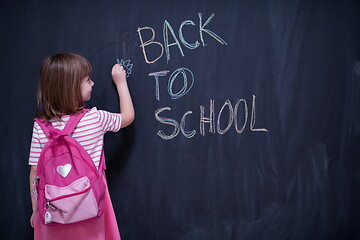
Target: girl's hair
x,y
59,90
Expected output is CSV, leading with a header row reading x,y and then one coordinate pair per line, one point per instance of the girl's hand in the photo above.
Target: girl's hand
x,y
32,219
118,74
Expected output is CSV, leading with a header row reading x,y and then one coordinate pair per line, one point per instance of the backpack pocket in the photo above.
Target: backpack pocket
x,y
73,203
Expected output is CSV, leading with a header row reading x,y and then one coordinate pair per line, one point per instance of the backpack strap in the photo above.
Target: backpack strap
x,y
73,122
74,119
44,125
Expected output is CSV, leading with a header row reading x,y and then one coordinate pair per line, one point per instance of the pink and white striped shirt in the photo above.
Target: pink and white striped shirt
x,y
89,133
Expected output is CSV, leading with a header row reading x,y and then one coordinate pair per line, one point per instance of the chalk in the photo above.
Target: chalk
x,y
126,65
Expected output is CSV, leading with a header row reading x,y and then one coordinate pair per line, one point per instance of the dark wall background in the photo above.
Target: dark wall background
x,y
300,59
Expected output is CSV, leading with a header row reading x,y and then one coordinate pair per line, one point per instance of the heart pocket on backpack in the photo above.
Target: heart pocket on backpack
x,y
64,170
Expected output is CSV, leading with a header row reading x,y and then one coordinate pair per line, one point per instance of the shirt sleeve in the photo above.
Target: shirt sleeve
x,y
35,146
109,121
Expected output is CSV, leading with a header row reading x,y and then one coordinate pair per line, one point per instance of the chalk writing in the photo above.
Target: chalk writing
x,y
185,89
231,117
210,121
186,85
181,36
168,29
168,121
246,113
188,134
156,76
148,42
127,66
233,112
202,29
253,118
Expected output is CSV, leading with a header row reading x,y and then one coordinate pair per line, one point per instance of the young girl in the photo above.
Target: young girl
x,y
64,86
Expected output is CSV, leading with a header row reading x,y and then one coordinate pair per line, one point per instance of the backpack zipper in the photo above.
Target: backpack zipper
x,y
48,203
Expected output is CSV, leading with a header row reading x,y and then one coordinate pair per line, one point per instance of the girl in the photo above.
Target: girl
x,y
64,86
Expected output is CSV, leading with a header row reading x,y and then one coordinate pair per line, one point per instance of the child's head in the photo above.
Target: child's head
x,y
60,85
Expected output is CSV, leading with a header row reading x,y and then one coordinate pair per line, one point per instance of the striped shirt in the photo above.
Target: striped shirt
x,y
89,133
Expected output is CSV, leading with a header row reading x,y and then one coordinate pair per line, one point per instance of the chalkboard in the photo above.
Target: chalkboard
x,y
247,113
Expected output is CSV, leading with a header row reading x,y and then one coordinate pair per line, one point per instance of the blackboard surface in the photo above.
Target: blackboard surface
x,y
247,113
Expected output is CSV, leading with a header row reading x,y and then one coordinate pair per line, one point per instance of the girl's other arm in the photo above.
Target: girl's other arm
x,y
126,106
33,199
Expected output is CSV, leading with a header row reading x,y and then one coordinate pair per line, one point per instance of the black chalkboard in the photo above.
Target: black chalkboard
x,y
247,113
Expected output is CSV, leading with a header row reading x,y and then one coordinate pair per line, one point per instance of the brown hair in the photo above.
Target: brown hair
x,y
59,90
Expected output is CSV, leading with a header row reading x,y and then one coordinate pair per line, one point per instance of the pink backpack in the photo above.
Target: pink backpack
x,y
70,189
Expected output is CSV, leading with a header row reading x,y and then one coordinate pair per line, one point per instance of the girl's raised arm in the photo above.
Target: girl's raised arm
x,y
126,106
